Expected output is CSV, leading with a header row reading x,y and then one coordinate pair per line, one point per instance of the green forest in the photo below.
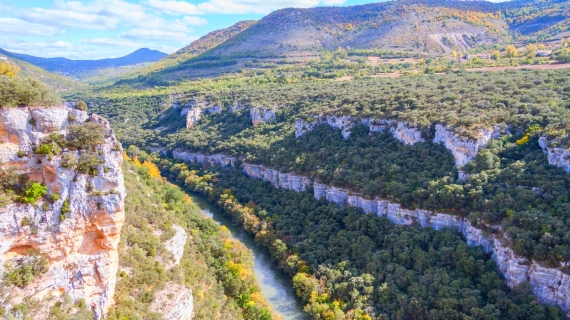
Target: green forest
x,y
347,265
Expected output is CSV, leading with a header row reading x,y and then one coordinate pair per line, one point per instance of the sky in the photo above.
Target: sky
x,y
99,29
96,29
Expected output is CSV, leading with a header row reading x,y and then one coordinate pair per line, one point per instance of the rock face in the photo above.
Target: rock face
x,y
286,181
192,116
407,133
81,250
549,284
559,157
175,302
213,160
176,245
463,149
261,115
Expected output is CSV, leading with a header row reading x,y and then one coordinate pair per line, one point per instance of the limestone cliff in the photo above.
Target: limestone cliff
x,y
559,157
463,149
78,243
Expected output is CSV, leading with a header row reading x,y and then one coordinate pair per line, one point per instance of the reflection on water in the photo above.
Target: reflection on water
x,y
275,286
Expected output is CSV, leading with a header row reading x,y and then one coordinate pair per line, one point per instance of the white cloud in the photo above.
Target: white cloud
x,y
20,27
113,42
156,35
194,21
176,7
99,15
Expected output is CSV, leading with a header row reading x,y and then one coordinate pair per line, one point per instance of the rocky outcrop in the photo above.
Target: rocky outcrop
x,y
192,116
407,133
213,160
559,157
81,248
175,245
174,302
286,181
261,115
463,149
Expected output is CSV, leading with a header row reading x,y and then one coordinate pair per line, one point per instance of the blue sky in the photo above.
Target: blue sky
x,y
96,29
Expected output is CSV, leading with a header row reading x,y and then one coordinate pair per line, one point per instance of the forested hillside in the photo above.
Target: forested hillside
x,y
346,265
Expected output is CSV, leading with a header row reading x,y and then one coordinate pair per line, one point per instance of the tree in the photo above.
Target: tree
x,y
496,55
531,50
511,51
454,54
81,105
8,69
85,136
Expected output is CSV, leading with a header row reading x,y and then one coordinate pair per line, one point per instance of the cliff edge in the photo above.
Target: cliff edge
x,y
63,211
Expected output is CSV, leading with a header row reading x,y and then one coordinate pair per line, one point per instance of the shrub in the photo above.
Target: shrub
x,y
8,69
24,269
68,161
26,222
34,192
54,196
81,105
88,163
86,135
21,153
32,122
71,118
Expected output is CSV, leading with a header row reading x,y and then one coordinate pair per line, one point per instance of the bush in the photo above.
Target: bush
x,y
81,105
34,192
21,154
84,136
54,196
88,163
25,269
68,161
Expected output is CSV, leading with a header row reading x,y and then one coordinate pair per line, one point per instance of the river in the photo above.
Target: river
x,y
275,285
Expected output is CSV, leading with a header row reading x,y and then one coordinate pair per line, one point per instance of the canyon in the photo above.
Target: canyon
x,y
550,285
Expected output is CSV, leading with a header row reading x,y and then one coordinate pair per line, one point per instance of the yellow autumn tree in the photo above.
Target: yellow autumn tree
x,y
8,69
531,49
496,55
152,169
511,51
454,54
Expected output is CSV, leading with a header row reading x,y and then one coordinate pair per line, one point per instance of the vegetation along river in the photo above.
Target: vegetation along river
x,y
275,285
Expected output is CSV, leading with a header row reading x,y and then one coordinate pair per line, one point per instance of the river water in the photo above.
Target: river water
x,y
275,285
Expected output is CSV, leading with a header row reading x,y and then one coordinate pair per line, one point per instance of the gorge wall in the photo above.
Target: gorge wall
x,y
549,284
78,243
464,149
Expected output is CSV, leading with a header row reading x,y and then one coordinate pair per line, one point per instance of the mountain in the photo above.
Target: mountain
x,y
56,82
81,68
425,27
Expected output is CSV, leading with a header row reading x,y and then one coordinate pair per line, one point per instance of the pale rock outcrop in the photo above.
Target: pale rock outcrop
x,y
559,157
213,160
407,133
238,107
463,149
81,250
302,127
192,116
174,302
176,245
377,125
261,115
332,194
286,181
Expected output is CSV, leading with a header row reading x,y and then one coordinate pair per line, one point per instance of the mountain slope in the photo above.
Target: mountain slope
x,y
78,68
424,27
56,82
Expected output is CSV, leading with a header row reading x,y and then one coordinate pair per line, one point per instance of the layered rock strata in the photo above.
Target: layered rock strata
x,y
80,246
549,284
175,245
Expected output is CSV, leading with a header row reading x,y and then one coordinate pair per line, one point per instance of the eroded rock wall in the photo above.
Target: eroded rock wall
x,y
212,160
81,249
559,157
462,148
261,115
